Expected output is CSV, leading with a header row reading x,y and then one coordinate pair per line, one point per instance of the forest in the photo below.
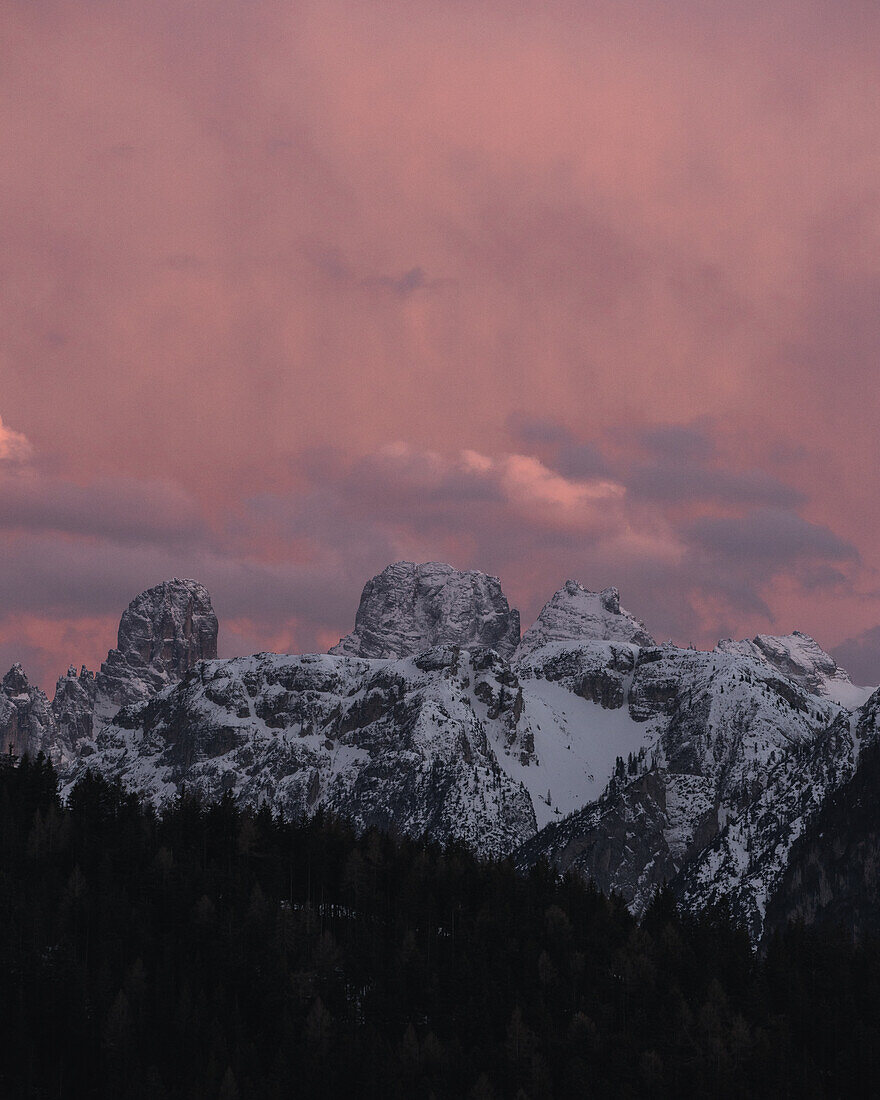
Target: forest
x,y
209,951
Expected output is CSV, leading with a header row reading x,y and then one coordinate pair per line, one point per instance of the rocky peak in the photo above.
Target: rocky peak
x,y
575,614
15,682
409,607
25,719
802,659
84,675
162,634
72,708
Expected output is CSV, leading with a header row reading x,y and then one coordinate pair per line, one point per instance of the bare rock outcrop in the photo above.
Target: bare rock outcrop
x,y
26,722
409,608
163,633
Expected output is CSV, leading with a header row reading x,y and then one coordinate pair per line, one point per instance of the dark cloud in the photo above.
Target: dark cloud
x,y
569,456
581,461
678,442
823,577
721,571
123,509
686,465
69,578
31,657
860,656
769,539
535,430
294,561
673,483
292,565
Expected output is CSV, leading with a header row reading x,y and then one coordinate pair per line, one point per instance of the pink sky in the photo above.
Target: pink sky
x,y
292,290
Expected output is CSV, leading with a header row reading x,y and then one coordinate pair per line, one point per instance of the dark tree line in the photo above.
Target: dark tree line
x,y
212,951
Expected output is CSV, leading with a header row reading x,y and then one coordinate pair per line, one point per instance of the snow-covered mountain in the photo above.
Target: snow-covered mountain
x,y
802,659
162,633
437,738
26,721
573,614
584,742
410,744
716,725
832,875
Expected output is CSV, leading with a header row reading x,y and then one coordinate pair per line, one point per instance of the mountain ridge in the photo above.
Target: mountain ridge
x,y
583,742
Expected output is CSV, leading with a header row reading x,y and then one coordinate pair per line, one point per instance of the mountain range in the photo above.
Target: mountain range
x,y
584,742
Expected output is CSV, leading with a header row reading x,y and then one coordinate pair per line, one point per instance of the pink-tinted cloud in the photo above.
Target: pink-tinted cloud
x,y
249,247
14,447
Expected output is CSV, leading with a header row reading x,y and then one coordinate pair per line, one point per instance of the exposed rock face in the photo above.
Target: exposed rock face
x,y
638,763
596,671
409,608
636,837
745,860
72,708
574,614
411,745
26,723
833,871
719,727
449,741
162,634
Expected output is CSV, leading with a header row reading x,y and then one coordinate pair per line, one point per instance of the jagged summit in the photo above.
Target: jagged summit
x,y
802,659
15,682
162,633
574,614
410,607
72,709
25,719
638,763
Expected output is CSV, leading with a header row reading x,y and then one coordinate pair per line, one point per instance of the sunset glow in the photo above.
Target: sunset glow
x,y
292,291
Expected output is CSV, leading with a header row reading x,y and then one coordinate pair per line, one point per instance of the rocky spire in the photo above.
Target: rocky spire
x,y
162,634
26,722
72,707
408,608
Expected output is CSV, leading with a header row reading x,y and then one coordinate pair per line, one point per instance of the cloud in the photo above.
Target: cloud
x,y
860,656
51,590
678,442
620,222
14,447
686,464
536,430
516,515
407,283
609,271
573,458
118,509
35,641
291,564
581,460
690,482
769,538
